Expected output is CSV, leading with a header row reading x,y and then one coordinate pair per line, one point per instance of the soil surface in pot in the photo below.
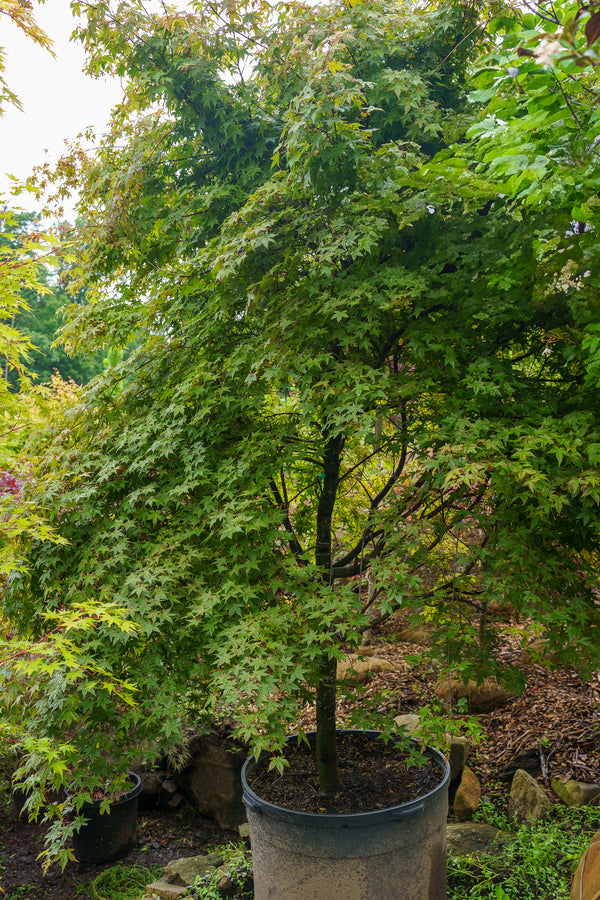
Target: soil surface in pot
x,y
375,776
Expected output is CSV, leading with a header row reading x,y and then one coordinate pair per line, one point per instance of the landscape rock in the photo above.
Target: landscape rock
x,y
225,887
459,747
212,782
354,669
244,832
467,838
586,882
164,891
468,795
480,698
367,637
528,802
409,722
170,796
575,793
503,611
415,635
538,652
458,755
185,870
151,788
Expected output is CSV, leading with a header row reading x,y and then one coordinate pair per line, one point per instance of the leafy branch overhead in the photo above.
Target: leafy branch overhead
x,y
20,13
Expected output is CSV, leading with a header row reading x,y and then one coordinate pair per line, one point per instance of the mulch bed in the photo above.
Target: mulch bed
x,y
552,729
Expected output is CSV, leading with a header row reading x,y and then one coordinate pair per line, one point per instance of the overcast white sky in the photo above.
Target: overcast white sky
x,y
59,101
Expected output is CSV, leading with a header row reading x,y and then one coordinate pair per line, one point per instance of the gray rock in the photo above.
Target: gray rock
x,y
212,782
575,793
185,870
458,755
470,837
528,801
164,891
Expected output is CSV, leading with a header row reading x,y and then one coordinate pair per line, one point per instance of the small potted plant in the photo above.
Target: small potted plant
x,y
66,725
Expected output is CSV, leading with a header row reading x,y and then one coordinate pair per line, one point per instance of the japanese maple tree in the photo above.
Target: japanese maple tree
x,y
355,355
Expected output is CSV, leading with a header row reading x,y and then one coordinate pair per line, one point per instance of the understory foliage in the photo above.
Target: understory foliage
x,y
535,861
22,264
38,673
23,258
366,373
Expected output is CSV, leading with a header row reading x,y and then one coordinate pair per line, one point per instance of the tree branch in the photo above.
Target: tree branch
x,y
293,542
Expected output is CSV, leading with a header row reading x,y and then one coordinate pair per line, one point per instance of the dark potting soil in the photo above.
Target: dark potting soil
x,y
374,774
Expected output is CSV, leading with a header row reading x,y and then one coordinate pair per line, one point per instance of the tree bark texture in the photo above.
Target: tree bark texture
x,y
327,765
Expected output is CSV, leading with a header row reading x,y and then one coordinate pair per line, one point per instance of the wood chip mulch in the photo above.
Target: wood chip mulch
x,y
552,729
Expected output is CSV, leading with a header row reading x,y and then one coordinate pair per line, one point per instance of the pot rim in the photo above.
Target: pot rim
x,y
136,789
323,820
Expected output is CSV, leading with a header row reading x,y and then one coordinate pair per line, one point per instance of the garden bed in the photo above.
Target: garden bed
x,y
557,714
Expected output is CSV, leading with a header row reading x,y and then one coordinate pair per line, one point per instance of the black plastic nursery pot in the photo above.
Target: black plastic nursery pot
x,y
398,853
111,835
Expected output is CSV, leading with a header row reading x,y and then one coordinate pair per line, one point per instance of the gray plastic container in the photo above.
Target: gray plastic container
x,y
397,853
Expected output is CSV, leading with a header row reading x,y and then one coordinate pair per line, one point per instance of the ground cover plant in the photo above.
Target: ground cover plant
x,y
122,882
536,863
365,374
238,865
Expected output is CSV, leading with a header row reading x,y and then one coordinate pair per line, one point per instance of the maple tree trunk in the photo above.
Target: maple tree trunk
x,y
327,766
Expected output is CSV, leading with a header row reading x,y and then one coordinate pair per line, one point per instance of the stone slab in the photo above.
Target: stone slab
x,y
164,891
